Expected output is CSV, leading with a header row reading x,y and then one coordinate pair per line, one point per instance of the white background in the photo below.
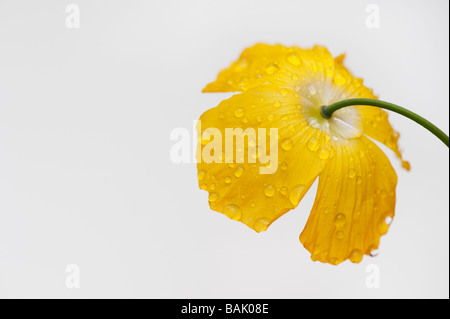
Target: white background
x,y
85,172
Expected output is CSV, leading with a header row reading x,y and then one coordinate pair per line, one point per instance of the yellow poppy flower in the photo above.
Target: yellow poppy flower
x,y
284,88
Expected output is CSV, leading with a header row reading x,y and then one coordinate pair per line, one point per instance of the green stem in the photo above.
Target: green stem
x,y
328,110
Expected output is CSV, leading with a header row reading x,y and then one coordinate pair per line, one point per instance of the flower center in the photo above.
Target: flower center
x,y
344,124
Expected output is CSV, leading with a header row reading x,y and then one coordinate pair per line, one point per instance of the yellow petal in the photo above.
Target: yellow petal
x,y
354,205
374,120
275,63
239,190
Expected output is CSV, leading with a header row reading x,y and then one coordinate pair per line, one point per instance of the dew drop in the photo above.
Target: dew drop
x,y
228,179
312,89
239,171
313,144
293,58
261,224
339,79
333,261
213,197
284,92
355,256
201,175
272,68
296,194
339,220
233,211
269,190
286,144
323,153
284,190
239,112
340,234
359,180
277,104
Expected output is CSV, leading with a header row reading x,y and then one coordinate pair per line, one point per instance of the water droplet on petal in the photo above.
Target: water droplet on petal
x,y
339,79
313,144
316,252
356,256
323,153
339,220
269,190
233,211
239,171
296,194
312,89
272,68
261,224
286,144
284,92
293,58
239,112
228,179
213,197
333,261
201,175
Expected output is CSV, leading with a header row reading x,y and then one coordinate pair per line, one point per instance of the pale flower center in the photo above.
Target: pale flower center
x,y
345,123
